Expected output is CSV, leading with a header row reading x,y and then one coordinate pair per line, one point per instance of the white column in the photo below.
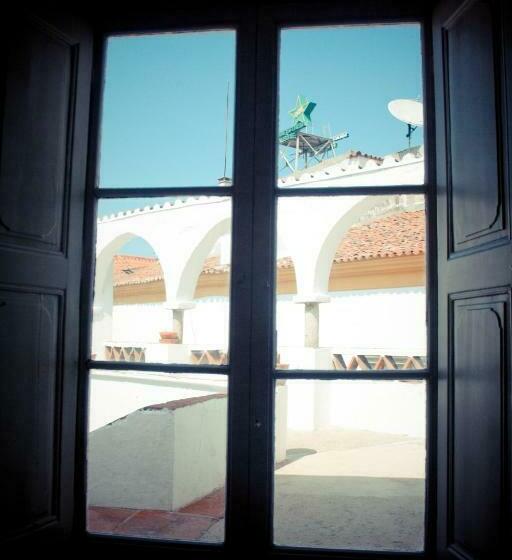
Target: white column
x,y
311,324
315,357
178,323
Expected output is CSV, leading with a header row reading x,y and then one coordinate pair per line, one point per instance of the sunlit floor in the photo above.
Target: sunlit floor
x,y
346,489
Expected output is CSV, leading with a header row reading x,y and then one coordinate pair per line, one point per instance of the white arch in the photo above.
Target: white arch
x,y
104,288
105,257
312,233
179,233
187,280
335,234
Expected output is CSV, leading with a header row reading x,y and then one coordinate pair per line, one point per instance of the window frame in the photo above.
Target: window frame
x,y
254,194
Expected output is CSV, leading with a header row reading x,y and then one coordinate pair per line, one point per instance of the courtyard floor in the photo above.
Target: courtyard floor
x,y
347,489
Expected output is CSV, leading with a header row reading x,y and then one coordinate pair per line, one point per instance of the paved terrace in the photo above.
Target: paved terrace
x,y
338,488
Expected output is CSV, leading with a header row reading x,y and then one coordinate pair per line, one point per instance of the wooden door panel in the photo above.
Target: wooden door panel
x,y
472,116
36,136
477,381
475,189
31,373
45,84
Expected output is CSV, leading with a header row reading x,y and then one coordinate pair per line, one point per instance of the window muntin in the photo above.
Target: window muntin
x,y
162,280
158,368
379,205
350,288
259,303
156,455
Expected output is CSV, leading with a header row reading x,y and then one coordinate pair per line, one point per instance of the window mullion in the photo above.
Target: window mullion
x,y
262,340
238,528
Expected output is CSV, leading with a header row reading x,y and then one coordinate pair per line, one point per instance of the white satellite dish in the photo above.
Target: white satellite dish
x,y
408,111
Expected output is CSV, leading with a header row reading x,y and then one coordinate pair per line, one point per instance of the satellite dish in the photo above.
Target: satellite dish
x,y
408,111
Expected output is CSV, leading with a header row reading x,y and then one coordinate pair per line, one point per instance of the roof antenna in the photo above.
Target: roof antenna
x,y
226,181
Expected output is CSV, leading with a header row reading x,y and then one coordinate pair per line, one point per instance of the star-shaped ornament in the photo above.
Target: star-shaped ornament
x,y
302,111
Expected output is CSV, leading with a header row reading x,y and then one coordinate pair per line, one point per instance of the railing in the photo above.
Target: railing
x,y
362,362
358,362
122,353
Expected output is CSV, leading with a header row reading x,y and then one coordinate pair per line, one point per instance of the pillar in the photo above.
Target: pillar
x,y
314,357
178,316
312,325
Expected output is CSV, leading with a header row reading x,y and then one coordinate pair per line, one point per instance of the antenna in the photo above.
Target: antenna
x,y
225,181
226,127
408,111
300,145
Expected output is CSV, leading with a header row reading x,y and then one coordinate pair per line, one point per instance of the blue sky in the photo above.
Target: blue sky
x,y
352,73
164,105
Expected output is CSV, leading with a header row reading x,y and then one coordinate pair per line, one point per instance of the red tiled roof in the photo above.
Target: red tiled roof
x,y
393,236
396,235
132,269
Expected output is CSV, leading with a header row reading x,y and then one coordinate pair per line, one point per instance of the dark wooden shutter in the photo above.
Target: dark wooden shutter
x,y
471,53
44,102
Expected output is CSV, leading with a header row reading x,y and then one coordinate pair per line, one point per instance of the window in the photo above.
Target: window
x,y
276,330
259,355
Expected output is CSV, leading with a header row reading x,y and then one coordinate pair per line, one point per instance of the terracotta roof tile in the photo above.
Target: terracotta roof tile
x,y
133,269
392,236
396,235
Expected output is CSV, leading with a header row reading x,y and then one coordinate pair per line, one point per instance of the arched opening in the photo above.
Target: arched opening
x,y
128,299
205,281
375,318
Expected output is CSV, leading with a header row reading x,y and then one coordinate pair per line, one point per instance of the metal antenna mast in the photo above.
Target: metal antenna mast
x,y
226,127
300,146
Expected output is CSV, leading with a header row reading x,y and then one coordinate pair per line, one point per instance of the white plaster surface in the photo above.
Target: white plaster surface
x,y
393,407
200,436
385,321
158,459
115,394
130,462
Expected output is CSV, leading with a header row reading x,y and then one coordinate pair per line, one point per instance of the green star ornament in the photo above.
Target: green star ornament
x,y
302,111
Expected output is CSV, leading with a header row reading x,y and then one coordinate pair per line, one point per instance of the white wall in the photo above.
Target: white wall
x,y
115,394
375,321
205,326
140,323
130,462
159,459
392,407
388,321
200,435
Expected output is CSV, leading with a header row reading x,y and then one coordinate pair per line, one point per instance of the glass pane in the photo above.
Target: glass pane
x,y
156,455
350,464
162,280
168,110
350,109
351,285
